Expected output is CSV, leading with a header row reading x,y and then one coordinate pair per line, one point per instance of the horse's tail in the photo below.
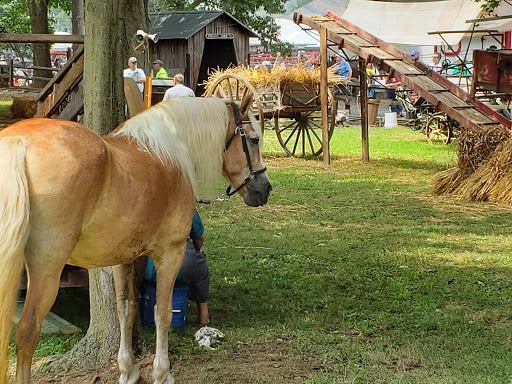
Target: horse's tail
x,y
14,230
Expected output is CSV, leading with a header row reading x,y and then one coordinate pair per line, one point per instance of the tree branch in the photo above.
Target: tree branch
x,y
196,3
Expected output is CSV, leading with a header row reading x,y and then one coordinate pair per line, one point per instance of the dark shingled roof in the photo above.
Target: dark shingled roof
x,y
185,24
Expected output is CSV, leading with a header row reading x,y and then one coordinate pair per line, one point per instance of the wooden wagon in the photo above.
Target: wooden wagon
x,y
290,108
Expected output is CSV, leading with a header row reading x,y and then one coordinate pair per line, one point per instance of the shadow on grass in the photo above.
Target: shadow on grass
x,y
388,266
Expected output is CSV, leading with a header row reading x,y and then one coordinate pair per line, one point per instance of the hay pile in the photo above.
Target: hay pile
x,y
260,78
484,168
24,107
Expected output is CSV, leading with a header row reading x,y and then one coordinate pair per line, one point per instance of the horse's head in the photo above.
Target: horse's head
x,y
243,166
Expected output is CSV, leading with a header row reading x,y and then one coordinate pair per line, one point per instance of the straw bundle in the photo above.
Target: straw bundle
x,y
492,178
484,159
260,78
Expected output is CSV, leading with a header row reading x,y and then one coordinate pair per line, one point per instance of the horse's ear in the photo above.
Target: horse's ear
x,y
236,112
246,103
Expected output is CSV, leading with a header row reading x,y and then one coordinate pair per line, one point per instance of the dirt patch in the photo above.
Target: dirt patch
x,y
241,364
9,93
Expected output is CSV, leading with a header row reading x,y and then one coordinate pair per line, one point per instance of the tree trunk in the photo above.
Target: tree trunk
x,y
103,68
38,10
77,20
103,111
101,342
136,17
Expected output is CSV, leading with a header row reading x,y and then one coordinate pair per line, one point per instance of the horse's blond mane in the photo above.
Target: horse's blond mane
x,y
187,132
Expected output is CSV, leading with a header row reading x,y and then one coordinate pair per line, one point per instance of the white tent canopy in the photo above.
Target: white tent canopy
x,y
409,22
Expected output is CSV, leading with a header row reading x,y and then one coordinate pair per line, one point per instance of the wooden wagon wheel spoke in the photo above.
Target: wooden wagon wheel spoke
x,y
291,134
297,139
310,141
239,90
317,137
230,90
285,128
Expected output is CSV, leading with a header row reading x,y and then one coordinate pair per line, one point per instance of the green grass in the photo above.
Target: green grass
x,y
5,108
355,273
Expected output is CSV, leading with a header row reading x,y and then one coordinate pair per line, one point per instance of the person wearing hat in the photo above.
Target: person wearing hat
x,y
160,70
133,72
415,55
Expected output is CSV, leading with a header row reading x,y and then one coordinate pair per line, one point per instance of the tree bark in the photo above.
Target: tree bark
x,y
77,20
136,17
103,111
38,11
103,68
101,342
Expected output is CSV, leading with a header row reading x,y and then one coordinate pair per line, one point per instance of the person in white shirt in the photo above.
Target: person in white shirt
x,y
436,66
179,90
133,72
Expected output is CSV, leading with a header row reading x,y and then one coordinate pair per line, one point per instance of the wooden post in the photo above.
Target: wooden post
x,y
364,108
11,72
148,91
323,96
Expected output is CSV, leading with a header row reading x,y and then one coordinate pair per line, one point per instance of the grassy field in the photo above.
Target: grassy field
x,y
354,274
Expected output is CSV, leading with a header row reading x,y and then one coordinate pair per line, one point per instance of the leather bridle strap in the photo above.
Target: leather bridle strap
x,y
240,130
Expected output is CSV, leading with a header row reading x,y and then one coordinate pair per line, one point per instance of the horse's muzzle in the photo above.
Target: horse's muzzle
x,y
257,191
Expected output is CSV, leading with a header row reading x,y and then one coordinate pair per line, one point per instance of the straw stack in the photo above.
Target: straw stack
x,y
485,162
278,75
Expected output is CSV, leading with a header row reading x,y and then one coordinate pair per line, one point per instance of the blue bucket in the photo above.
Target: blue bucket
x,y
179,303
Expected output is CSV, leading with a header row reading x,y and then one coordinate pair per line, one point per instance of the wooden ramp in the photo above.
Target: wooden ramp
x,y
442,94
51,323
62,98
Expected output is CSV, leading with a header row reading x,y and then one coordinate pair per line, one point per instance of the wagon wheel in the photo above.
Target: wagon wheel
x,y
438,129
238,89
301,134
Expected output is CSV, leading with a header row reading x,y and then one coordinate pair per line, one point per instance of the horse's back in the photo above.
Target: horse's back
x,y
65,165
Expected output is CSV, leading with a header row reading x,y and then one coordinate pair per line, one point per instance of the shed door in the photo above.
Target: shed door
x,y
217,54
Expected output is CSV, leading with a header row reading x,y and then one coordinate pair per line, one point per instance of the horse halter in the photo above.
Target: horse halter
x,y
240,130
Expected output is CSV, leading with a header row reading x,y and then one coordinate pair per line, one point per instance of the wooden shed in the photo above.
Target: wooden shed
x,y
193,42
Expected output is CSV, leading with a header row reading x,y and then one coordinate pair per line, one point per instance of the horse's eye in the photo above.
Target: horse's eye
x,y
255,140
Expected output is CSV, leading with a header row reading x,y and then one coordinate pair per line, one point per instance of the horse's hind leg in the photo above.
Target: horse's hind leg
x,y
126,310
41,293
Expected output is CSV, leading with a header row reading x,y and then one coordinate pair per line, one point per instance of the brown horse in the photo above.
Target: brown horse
x,y
69,196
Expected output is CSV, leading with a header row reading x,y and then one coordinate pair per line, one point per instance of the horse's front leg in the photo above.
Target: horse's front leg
x,y
167,270
126,310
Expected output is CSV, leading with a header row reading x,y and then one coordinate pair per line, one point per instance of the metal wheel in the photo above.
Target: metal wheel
x,y
239,90
301,133
438,129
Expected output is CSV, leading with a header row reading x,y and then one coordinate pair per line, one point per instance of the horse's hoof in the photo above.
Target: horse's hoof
x,y
132,378
167,380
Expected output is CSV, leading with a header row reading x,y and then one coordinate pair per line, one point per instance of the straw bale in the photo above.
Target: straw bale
x,y
445,182
493,180
24,107
475,173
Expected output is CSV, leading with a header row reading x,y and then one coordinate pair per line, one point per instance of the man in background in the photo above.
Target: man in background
x,y
159,69
179,90
436,66
133,72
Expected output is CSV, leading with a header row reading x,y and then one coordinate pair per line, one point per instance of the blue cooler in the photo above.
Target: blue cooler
x,y
179,304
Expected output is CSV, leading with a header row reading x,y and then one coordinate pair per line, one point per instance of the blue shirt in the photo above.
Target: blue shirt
x,y
342,68
195,233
